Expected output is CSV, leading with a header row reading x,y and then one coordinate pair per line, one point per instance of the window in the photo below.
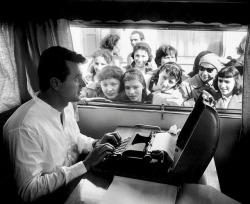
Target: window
x,y
188,42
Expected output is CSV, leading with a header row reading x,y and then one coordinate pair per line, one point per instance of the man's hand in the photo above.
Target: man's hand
x,y
113,138
97,154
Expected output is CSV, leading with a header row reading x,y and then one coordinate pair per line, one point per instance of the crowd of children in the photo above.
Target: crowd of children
x,y
140,82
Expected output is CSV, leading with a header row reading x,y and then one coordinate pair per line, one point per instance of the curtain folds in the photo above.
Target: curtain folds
x,y
31,39
9,92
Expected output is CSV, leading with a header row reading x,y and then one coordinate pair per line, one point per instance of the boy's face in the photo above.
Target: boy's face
x,y
99,63
168,58
110,87
165,81
133,90
226,85
135,38
207,72
70,89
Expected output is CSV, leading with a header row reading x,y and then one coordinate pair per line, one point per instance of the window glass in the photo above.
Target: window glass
x,y
186,44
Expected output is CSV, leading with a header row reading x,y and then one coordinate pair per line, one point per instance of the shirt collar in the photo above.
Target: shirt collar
x,y
45,106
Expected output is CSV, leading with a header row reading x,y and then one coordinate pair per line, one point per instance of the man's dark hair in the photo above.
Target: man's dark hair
x,y
142,37
53,64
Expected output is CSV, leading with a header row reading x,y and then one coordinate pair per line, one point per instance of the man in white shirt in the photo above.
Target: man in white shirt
x,y
43,137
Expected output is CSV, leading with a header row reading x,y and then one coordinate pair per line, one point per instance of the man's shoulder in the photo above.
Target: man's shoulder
x,y
23,115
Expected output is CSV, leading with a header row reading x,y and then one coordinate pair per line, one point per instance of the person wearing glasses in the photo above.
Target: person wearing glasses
x,y
209,66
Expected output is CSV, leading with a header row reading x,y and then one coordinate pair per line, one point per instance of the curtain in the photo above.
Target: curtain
x,y
9,92
245,132
31,39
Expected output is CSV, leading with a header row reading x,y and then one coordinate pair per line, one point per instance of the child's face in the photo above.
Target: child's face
x,y
165,81
110,87
133,90
99,63
168,58
226,85
140,58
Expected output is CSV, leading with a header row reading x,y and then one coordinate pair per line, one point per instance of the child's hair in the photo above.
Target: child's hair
x,y
143,46
109,72
136,74
230,72
110,41
103,53
173,69
162,51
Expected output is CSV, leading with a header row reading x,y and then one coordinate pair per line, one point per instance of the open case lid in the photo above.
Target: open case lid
x,y
196,144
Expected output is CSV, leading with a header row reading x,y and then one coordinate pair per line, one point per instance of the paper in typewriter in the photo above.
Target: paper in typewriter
x,y
166,142
127,190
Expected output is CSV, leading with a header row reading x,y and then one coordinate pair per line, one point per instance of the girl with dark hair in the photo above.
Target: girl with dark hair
x,y
142,56
167,82
164,54
135,87
228,83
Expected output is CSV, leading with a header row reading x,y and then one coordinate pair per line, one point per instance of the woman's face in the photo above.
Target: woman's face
x,y
117,48
207,72
133,90
110,87
141,58
165,81
226,85
168,58
99,63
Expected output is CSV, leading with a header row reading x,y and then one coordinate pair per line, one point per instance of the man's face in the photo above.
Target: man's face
x,y
135,38
70,89
207,72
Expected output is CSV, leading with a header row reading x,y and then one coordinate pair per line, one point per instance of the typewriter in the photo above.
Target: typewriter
x,y
149,153
146,151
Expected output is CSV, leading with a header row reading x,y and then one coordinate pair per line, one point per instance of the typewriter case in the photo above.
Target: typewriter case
x,y
194,150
